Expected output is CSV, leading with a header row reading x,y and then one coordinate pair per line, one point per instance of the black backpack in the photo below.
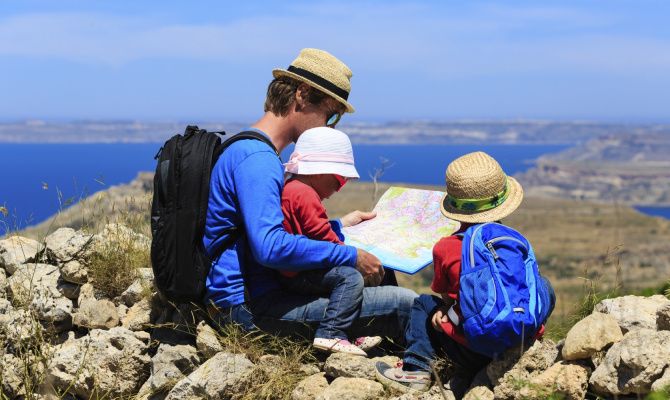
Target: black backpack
x,y
179,209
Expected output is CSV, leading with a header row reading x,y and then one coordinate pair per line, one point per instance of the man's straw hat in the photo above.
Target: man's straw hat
x,y
323,71
479,191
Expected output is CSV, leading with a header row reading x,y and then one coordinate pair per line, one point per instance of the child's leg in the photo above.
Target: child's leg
x,y
344,286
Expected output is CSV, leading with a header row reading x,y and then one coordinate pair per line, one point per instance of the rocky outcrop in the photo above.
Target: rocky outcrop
x,y
634,364
590,335
112,362
81,341
214,379
633,312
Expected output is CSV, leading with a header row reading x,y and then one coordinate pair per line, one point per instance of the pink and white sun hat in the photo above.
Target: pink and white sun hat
x,y
323,151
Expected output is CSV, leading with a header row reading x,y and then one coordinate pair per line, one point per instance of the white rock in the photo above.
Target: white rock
x,y
214,379
68,289
479,393
352,389
17,250
138,289
74,272
590,335
207,340
632,365
11,382
170,365
662,383
310,387
138,317
111,362
3,283
36,285
566,379
351,366
633,312
66,244
96,314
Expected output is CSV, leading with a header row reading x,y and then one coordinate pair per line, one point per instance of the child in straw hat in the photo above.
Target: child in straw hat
x,y
478,192
321,164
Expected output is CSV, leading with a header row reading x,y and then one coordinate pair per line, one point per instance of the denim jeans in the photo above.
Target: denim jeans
x,y
384,311
344,288
424,343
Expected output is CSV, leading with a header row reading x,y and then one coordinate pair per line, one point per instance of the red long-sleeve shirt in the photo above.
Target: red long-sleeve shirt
x,y
304,214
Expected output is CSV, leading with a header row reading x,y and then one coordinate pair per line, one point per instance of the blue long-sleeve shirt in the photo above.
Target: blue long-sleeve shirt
x,y
245,191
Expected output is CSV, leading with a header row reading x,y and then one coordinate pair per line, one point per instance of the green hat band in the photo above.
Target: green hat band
x,y
474,205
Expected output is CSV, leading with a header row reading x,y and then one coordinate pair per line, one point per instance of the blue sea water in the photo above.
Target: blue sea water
x,y
33,175
655,211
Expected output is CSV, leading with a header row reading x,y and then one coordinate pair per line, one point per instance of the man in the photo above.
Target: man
x,y
245,192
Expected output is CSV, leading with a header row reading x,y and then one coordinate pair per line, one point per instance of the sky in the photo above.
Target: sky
x,y
444,60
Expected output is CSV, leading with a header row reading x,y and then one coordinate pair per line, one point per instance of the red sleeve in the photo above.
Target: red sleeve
x,y
447,264
303,208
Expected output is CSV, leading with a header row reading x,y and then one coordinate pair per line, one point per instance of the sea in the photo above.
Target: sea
x,y
36,180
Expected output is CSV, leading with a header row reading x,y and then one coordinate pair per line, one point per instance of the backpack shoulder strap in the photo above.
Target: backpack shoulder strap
x,y
249,135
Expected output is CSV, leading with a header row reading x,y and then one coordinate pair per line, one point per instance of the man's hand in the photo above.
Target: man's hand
x,y
440,317
370,267
356,217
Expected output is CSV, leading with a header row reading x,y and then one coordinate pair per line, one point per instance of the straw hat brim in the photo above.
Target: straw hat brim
x,y
495,214
282,72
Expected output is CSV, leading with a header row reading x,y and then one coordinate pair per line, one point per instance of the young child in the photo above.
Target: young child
x,y
320,166
478,191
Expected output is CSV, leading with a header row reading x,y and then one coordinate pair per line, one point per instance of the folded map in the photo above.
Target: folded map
x,y
407,226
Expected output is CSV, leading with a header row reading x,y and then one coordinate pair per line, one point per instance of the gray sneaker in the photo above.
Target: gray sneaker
x,y
405,381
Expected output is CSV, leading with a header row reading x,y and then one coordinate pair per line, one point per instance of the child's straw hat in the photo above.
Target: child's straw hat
x,y
323,71
479,191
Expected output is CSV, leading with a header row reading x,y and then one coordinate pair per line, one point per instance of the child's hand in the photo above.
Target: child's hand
x,y
356,217
370,267
439,318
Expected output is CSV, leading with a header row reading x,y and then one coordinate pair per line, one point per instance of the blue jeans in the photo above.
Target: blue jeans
x,y
384,311
343,286
425,344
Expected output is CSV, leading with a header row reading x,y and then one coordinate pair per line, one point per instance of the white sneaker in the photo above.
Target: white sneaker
x,y
338,346
366,343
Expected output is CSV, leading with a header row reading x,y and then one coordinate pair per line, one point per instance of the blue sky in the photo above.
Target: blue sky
x,y
446,60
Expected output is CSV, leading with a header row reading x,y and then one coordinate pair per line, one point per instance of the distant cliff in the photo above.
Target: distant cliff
x,y
628,169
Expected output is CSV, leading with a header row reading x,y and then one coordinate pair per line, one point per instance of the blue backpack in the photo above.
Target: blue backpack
x,y
503,298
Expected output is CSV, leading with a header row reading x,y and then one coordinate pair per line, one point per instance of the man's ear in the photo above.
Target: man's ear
x,y
301,96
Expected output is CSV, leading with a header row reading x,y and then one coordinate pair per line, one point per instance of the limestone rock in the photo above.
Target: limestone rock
x,y
434,393
310,387
598,357
138,317
213,379
570,380
36,285
510,369
110,362
663,318
118,232
633,312
73,271
68,289
170,365
86,292
3,283
633,364
479,393
662,383
207,340
16,326
592,334
96,314
11,382
66,244
309,369
352,389
17,250
138,289
351,366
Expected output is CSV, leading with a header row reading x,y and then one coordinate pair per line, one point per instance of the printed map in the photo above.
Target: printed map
x,y
407,226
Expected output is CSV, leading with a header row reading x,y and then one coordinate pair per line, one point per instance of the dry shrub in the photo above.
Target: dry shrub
x,y
114,264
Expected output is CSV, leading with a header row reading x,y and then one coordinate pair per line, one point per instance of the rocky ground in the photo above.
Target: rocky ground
x,y
64,336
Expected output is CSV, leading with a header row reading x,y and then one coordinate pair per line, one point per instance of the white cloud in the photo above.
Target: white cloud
x,y
484,40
